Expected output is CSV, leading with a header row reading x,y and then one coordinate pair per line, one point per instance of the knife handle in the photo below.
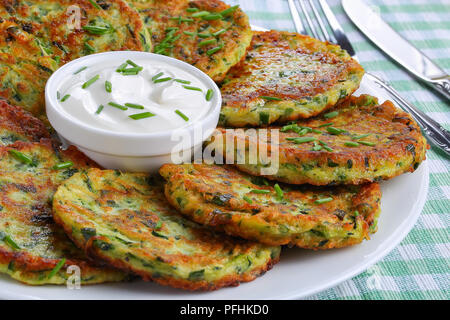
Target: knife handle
x,y
434,132
442,85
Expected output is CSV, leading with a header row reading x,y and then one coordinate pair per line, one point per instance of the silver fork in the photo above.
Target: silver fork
x,y
434,132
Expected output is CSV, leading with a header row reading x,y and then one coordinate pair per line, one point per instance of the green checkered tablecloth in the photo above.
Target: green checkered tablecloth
x,y
419,268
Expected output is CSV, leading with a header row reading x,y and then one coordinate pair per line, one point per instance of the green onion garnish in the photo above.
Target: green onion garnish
x,y
247,199
10,242
189,33
370,144
56,269
316,131
210,52
134,64
134,69
335,131
229,11
182,81
331,115
207,42
95,5
257,191
279,192
90,81
271,98
192,9
213,16
108,86
301,140
204,35
326,125
21,157
325,146
63,165
324,200
218,33
89,48
303,131
200,14
67,96
182,115
351,144
193,88
80,70
143,115
162,80
316,147
118,106
157,76
98,30
100,108
122,67
209,94
134,106
361,136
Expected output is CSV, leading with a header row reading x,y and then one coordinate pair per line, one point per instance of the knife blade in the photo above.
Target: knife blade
x,y
397,47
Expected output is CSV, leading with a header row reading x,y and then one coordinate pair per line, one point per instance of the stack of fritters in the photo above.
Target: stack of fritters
x,y
58,209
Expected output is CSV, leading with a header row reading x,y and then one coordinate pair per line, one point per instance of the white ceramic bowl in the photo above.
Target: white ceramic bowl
x,y
130,151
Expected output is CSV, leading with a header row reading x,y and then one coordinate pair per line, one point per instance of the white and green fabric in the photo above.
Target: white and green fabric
x,y
419,268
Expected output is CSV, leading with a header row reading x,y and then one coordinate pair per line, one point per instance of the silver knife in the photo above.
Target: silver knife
x,y
397,47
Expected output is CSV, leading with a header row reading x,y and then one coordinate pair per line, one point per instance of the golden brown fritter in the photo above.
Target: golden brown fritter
x,y
244,206
32,246
356,142
208,34
287,76
17,124
37,37
124,219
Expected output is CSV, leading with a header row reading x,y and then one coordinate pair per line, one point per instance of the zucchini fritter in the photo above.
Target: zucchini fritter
x,y
32,246
17,124
208,34
287,76
356,142
311,218
125,220
38,36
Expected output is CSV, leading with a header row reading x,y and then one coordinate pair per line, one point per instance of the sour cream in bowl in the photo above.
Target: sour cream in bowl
x,y
131,110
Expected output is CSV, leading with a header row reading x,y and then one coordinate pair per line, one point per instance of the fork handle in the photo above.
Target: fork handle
x,y
434,132
442,85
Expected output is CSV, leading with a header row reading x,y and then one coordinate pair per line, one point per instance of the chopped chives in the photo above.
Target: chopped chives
x,y
98,30
172,29
204,35
331,115
132,63
316,147
108,86
134,106
325,146
67,96
218,33
229,11
257,191
370,144
209,94
317,131
189,33
303,131
210,52
118,106
95,5
157,76
143,115
63,165
279,192
192,9
325,125
193,88
271,98
162,80
80,70
134,69
212,16
207,42
100,108
90,81
9,241
182,81
129,73
324,200
335,131
21,157
351,144
182,115
200,14
56,269
247,199
361,136
301,140
122,67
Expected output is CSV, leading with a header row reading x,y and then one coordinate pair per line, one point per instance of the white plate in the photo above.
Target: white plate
x,y
299,274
